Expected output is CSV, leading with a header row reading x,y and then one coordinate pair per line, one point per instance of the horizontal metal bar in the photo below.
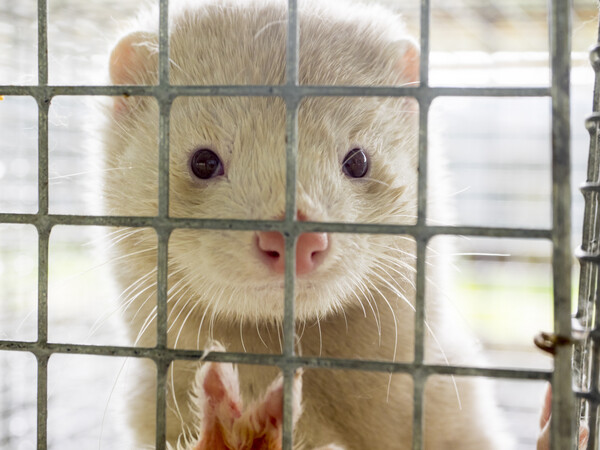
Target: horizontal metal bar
x,y
592,121
279,91
589,187
586,256
591,396
251,225
167,354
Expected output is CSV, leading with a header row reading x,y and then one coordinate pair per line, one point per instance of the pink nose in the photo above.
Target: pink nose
x,y
310,249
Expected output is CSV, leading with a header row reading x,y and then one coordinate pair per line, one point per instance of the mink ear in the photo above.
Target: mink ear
x,y
407,67
217,404
133,61
220,384
271,406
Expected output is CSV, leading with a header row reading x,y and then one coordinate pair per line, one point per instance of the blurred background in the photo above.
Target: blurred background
x,y
498,153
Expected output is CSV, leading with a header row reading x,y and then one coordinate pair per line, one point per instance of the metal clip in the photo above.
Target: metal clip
x,y
549,342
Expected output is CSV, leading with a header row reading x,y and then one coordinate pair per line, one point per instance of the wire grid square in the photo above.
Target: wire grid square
x,y
293,93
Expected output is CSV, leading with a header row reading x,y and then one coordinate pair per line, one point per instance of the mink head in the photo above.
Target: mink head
x,y
356,161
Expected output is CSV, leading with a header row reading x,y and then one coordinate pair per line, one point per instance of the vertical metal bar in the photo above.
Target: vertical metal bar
x,y
419,377
590,214
43,239
42,402
421,223
164,105
162,368
161,338
42,361
419,321
587,354
43,232
290,233
419,381
290,270
164,121
560,46
418,422
42,42
163,233
594,360
293,45
424,41
43,200
292,104
595,61
43,106
163,43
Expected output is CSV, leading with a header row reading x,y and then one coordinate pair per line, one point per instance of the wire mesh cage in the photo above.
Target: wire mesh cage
x,y
45,220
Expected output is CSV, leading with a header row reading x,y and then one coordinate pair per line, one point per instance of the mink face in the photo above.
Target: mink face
x,y
356,156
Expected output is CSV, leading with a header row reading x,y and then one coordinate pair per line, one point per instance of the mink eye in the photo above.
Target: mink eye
x,y
206,164
355,164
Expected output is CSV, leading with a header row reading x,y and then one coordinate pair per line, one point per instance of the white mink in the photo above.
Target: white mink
x,y
357,162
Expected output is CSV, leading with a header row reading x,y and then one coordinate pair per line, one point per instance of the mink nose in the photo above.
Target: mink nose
x,y
310,249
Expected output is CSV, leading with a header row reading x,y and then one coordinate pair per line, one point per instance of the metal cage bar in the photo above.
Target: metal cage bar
x,y
279,91
301,227
419,379
293,93
587,351
43,229
292,103
560,48
164,120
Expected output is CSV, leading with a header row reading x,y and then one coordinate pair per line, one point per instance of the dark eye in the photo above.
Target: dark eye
x,y
206,164
355,163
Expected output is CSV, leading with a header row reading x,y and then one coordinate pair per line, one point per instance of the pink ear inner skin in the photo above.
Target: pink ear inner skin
x,y
222,406
128,59
265,418
409,64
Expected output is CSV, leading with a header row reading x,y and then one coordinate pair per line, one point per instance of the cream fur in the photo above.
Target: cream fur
x,y
358,304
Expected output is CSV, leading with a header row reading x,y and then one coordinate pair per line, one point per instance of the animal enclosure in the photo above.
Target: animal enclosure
x,y
53,277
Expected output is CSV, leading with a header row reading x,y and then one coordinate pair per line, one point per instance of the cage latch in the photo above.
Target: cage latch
x,y
549,342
